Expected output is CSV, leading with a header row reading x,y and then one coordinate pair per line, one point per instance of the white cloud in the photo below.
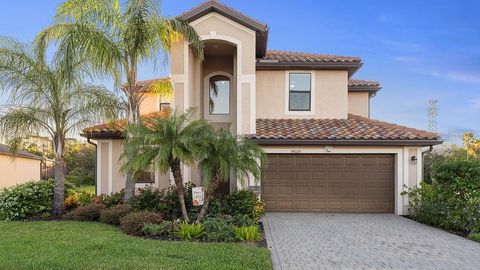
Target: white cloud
x,y
464,77
458,76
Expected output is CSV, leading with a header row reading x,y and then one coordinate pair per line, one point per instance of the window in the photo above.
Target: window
x,y
300,92
219,95
146,176
164,105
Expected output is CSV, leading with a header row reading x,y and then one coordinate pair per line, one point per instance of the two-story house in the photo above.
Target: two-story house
x,y
324,153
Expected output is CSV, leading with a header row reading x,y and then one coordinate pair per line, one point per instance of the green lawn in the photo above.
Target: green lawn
x,y
83,245
88,189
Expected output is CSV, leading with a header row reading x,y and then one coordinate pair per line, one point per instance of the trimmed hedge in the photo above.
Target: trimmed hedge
x,y
89,212
113,214
132,224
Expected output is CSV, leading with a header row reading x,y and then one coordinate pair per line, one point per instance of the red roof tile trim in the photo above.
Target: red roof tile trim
x,y
119,126
299,57
353,128
362,83
145,84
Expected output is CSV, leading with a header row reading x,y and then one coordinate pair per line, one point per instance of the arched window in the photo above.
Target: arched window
x,y
219,95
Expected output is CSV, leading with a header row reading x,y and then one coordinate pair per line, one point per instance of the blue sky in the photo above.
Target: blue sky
x,y
417,50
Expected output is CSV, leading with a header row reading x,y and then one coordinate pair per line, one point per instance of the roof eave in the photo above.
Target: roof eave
x,y
372,89
261,29
352,67
263,141
17,155
103,135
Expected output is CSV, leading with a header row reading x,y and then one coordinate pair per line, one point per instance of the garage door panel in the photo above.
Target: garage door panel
x,y
303,190
329,183
303,160
302,205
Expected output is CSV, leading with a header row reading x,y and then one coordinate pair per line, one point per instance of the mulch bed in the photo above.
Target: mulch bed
x,y
261,243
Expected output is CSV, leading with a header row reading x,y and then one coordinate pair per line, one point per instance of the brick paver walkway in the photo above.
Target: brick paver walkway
x,y
364,241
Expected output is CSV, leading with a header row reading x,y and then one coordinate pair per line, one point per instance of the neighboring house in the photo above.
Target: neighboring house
x,y
325,154
18,168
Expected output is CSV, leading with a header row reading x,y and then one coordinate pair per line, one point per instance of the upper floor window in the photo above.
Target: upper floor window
x,y
219,95
300,91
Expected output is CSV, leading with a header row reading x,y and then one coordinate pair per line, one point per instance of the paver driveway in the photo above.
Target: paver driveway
x,y
364,241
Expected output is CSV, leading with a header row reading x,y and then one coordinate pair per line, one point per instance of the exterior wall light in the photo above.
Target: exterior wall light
x,y
414,159
328,148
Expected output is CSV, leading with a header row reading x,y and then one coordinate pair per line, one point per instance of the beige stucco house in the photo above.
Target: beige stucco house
x,y
305,110
18,168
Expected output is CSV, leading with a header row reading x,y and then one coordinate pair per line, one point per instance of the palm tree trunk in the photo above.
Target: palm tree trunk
x,y
129,187
211,187
177,177
133,119
59,174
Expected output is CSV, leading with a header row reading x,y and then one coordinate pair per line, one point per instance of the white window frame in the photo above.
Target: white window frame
x,y
312,92
206,98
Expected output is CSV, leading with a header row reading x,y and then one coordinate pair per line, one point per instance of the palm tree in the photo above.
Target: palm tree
x,y
116,38
223,153
48,98
166,142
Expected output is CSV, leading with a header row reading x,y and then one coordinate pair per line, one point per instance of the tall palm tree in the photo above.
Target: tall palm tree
x,y
166,142
116,37
221,153
48,98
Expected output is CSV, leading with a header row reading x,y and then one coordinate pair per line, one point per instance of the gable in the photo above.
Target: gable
x,y
260,29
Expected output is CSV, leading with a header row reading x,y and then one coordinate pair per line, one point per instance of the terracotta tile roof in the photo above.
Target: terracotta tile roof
x,y
353,128
144,85
299,57
354,82
118,126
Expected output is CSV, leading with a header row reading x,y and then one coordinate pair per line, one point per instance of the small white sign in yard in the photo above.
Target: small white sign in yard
x,y
198,196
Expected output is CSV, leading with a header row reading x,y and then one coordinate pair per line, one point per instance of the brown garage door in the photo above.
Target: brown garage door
x,y
329,183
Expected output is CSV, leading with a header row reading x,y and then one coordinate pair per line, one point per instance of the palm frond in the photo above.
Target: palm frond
x,y
19,123
162,87
86,42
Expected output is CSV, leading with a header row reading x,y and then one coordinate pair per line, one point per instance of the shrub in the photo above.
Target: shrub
x,y
474,237
71,202
89,212
218,230
452,201
85,198
110,200
189,231
248,233
242,220
161,229
172,205
132,223
149,199
244,202
23,201
113,214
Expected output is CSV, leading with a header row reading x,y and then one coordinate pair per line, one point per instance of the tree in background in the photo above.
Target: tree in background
x,y
49,98
115,37
80,163
471,144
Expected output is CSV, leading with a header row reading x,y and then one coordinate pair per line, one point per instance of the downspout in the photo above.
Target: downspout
x,y
96,155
